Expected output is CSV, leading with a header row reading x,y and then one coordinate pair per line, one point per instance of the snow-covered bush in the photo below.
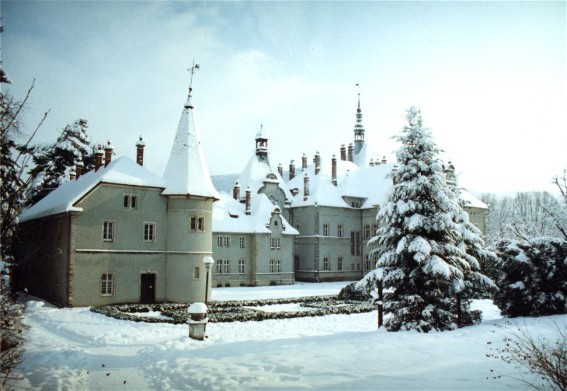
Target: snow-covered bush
x,y
353,292
534,277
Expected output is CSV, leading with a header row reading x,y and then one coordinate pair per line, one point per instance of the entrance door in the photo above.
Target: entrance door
x,y
148,288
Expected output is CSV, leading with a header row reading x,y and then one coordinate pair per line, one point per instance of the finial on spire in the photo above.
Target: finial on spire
x,y
192,70
358,91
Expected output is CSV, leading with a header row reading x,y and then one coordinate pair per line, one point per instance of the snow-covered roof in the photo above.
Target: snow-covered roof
x,y
255,174
229,215
369,183
187,171
472,201
122,170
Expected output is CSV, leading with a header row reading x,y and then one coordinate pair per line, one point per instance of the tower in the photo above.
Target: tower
x,y
358,129
262,145
190,195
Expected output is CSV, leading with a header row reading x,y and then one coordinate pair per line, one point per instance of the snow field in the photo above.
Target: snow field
x,y
70,349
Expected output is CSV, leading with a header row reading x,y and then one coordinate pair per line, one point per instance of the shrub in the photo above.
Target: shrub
x,y
534,277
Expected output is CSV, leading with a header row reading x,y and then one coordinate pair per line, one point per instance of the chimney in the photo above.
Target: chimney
x,y
79,168
334,171
350,151
383,159
317,162
291,170
140,151
72,174
236,191
305,187
247,211
280,169
98,162
343,152
371,163
304,162
107,153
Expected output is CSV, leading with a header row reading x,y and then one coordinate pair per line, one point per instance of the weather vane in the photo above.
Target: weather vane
x,y
193,69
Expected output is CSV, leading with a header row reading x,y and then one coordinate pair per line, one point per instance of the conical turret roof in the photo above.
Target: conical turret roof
x,y
187,172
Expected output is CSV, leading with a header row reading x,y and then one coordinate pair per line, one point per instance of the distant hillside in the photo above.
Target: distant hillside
x,y
224,182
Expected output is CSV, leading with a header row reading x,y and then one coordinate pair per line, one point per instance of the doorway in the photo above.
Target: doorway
x,y
148,288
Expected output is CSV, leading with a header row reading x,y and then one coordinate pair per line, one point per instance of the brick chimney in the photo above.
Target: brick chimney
x,y
247,211
79,168
343,152
317,161
291,170
107,153
305,187
140,151
236,191
304,162
98,161
280,169
350,152
334,171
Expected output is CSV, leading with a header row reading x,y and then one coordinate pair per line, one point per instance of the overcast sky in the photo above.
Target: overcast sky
x,y
489,77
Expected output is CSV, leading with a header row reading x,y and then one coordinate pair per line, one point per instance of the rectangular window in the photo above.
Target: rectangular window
x,y
355,243
275,243
242,242
358,266
340,263
149,232
130,201
108,230
368,264
196,273
326,264
325,229
374,229
197,224
219,266
106,284
366,231
223,241
226,266
340,231
352,266
275,266
241,269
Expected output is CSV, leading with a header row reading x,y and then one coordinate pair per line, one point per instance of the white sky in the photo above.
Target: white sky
x,y
490,78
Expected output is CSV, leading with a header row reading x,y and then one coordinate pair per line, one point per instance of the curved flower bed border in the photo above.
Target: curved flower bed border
x,y
236,311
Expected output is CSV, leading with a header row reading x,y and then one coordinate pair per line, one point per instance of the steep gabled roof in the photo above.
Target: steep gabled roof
x,y
123,171
255,174
187,172
229,216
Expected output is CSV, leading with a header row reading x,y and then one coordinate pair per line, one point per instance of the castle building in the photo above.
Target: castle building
x,y
120,233
332,204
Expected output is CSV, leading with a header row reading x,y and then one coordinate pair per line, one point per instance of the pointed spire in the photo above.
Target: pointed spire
x,y
187,172
358,127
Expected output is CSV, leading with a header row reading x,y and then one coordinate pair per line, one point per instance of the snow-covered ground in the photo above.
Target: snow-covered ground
x,y
77,349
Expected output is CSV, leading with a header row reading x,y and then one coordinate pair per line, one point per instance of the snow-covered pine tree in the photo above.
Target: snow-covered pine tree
x,y
475,282
418,244
53,163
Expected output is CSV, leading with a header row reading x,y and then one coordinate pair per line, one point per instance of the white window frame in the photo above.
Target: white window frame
x,y
108,230
196,273
223,241
243,242
326,265
340,230
149,237
241,266
130,201
197,224
325,229
226,266
340,263
107,284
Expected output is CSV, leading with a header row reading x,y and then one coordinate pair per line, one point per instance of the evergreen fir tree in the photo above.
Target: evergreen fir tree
x,y
475,282
418,245
54,163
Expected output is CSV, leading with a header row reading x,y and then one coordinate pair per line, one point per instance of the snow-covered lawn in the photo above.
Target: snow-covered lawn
x,y
78,349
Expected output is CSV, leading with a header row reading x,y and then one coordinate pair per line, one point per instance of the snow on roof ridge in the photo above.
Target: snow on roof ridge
x,y
121,170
